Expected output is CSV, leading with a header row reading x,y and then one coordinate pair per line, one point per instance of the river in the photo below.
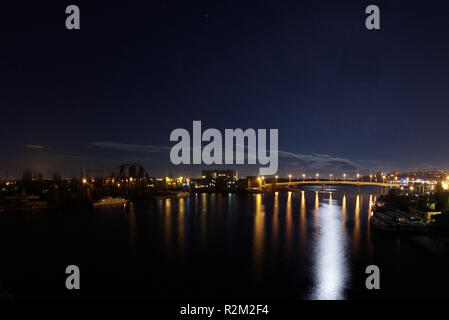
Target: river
x,y
302,245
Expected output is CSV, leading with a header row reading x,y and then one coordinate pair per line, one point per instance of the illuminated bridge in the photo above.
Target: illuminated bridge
x,y
323,183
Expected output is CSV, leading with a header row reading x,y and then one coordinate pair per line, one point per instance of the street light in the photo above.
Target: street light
x,y
317,175
358,175
303,177
344,176
289,178
370,178
330,177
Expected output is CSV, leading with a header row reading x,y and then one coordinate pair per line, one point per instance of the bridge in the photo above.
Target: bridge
x,y
323,183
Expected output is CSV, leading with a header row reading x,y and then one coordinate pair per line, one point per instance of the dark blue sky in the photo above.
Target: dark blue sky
x,y
343,98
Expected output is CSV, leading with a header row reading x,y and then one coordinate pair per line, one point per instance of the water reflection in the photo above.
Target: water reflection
x,y
258,236
310,235
368,229
168,225
357,234
330,261
303,223
132,227
181,227
203,219
275,223
288,225
343,212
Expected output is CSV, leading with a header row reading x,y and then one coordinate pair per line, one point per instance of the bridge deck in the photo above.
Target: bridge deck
x,y
329,182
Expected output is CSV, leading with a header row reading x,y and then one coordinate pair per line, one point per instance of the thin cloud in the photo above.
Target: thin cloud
x,y
34,146
307,160
129,147
321,160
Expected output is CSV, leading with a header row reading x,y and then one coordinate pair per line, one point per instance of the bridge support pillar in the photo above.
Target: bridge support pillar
x,y
323,187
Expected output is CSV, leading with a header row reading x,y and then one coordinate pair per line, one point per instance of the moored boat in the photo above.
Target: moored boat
x,y
403,224
383,222
110,201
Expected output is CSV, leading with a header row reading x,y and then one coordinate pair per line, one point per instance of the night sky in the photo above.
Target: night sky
x,y
344,98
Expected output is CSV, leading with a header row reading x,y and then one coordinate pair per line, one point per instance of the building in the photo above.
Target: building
x,y
221,180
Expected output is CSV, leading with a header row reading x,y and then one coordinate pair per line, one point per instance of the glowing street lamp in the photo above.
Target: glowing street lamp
x,y
358,175
370,178
317,175
289,178
303,177
344,176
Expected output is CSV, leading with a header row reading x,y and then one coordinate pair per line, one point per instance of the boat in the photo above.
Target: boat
x,y
416,221
110,201
182,194
383,222
22,203
402,222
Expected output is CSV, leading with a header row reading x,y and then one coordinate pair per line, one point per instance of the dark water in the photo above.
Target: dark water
x,y
302,245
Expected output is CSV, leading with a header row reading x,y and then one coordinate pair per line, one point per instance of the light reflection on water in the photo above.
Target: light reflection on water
x,y
308,244
330,265
258,240
319,232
